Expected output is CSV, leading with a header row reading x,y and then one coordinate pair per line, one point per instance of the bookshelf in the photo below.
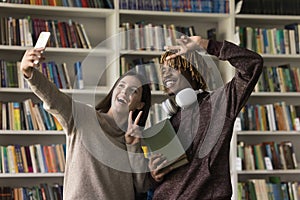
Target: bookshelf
x,y
102,26
266,97
93,19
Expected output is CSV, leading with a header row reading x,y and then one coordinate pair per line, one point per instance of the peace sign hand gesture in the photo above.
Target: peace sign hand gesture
x,y
134,133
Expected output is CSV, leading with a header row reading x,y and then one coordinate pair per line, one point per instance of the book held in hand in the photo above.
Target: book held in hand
x,y
161,138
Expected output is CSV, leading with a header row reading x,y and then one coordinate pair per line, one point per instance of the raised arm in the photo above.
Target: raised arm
x,y
54,101
248,65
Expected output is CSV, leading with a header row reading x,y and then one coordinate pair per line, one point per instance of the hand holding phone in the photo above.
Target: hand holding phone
x,y
42,42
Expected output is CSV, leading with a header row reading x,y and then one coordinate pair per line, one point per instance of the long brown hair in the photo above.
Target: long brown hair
x,y
105,104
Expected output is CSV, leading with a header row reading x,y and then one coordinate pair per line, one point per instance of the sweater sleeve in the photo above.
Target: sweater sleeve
x,y
54,101
139,165
248,65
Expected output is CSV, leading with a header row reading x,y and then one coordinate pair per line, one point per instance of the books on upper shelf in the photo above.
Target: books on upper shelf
x,y
161,138
25,32
204,6
48,191
271,40
151,37
68,3
11,77
291,7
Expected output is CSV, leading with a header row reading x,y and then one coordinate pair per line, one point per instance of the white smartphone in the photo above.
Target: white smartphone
x,y
42,42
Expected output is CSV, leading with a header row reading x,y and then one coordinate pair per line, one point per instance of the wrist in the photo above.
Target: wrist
x,y
28,72
203,43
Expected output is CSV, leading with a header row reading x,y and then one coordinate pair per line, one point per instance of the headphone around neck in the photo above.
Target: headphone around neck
x,y
183,99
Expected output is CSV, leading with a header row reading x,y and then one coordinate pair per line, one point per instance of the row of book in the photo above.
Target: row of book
x,y
148,68
271,40
59,74
38,192
66,3
277,116
25,31
268,155
26,115
10,75
35,158
273,189
202,6
148,36
282,78
274,7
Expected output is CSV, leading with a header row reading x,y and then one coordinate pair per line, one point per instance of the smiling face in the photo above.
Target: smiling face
x,y
126,96
179,73
172,79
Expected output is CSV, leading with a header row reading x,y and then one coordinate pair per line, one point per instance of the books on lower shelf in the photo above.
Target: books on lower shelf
x,y
26,115
268,155
35,158
161,138
273,188
78,75
278,116
280,78
48,191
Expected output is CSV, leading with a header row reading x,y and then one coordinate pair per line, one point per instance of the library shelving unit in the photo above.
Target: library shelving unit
x,y
262,98
201,22
102,27
100,24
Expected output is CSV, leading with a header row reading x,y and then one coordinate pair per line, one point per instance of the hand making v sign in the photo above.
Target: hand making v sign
x,y
133,134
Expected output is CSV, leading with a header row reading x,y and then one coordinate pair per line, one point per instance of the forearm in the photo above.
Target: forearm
x,y
246,62
248,65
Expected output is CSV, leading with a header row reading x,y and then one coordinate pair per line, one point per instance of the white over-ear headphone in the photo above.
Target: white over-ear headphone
x,y
183,99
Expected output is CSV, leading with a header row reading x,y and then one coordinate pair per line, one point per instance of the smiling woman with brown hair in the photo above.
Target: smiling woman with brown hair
x,y
104,155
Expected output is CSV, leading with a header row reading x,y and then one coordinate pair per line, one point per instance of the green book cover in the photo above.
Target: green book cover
x,y
161,138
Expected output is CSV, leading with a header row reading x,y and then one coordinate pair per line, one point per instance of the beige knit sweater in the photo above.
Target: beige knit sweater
x,y
99,164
